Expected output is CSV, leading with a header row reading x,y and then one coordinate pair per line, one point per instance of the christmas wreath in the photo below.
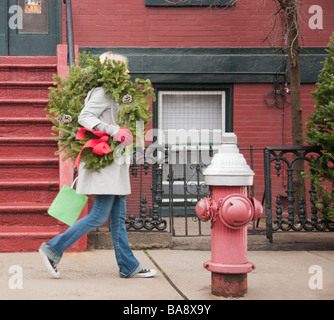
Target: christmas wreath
x,y
67,101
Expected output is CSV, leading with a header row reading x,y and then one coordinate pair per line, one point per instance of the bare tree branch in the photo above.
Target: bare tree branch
x,y
283,6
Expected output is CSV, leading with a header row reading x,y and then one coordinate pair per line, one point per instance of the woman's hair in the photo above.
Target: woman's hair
x,y
113,56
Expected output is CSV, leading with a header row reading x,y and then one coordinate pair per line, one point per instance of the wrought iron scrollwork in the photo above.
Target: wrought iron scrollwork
x,y
189,180
286,218
149,218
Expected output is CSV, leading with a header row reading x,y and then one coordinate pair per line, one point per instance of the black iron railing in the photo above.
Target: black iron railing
x,y
182,199
177,188
144,162
186,186
290,213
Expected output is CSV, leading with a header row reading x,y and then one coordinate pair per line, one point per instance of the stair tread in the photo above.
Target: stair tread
x,y
27,83
24,84
29,65
28,160
29,183
28,230
37,228
27,139
24,205
28,100
41,60
24,120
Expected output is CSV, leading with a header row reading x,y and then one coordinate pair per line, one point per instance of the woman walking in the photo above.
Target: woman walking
x,y
110,186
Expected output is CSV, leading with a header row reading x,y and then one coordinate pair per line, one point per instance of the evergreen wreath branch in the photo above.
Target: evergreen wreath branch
x,y
67,101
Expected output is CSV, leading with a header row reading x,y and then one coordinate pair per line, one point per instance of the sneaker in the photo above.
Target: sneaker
x,y
50,265
144,273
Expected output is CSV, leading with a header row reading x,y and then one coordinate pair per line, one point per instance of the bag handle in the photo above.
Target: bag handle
x,y
75,178
74,181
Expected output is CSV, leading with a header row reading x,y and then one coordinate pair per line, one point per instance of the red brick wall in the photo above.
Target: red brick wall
x,y
126,23
257,124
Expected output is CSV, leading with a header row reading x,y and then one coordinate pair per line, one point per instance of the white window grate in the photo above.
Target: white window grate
x,y
191,117
189,122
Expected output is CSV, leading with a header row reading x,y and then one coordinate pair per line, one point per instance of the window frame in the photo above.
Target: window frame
x,y
190,3
222,93
227,117
228,88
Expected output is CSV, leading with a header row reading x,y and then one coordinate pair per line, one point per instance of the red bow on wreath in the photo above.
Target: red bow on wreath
x,y
100,146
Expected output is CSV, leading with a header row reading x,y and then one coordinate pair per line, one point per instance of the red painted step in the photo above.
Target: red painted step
x,y
29,170
25,89
28,72
34,60
22,126
34,191
27,147
23,107
26,214
21,238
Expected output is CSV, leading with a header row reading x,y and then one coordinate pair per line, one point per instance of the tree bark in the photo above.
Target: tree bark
x,y
296,109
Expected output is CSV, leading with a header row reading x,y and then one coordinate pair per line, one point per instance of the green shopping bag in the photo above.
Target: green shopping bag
x,y
67,205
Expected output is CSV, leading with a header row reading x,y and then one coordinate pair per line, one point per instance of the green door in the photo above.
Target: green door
x,y
30,27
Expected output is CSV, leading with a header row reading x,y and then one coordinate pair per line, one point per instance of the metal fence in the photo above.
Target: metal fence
x,y
150,217
176,189
181,205
291,213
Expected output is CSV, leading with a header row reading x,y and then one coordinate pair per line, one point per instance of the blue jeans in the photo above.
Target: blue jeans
x,y
114,207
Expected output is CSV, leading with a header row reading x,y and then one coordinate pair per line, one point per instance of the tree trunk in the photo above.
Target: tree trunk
x,y
296,109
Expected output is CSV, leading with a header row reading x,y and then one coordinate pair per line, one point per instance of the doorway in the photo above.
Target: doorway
x,y
30,27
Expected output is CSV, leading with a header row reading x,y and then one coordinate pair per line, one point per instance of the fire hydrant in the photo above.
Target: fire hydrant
x,y
230,210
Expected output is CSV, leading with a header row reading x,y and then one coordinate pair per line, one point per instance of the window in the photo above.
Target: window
x,y
35,17
191,118
189,3
191,124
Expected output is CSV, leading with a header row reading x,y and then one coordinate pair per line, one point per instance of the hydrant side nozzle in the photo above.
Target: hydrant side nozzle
x,y
206,209
258,208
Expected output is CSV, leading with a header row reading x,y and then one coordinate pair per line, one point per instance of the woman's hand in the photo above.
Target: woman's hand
x,y
121,134
124,136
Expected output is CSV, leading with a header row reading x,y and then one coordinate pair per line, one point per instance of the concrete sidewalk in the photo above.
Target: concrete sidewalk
x,y
90,275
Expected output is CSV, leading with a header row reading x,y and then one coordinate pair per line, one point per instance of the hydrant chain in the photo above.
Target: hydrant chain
x,y
212,211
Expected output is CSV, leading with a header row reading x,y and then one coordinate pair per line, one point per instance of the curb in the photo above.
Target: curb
x,y
141,240
137,240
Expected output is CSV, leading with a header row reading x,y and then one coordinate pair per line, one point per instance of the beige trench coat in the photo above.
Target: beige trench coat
x,y
115,178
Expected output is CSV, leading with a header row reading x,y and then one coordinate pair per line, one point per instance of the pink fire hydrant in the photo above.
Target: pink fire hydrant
x,y
230,210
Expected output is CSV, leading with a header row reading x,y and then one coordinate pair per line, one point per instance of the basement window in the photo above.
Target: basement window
x,y
191,124
190,3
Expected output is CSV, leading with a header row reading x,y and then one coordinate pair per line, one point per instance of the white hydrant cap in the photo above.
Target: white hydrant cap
x,y
228,167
